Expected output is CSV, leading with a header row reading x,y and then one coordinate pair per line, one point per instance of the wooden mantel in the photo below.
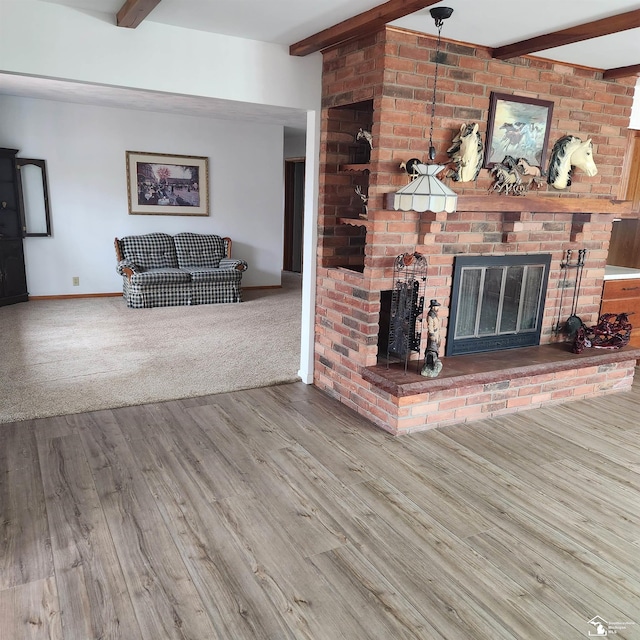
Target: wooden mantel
x,y
540,204
546,204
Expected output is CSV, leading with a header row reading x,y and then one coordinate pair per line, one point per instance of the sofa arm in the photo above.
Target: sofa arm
x,y
128,268
231,263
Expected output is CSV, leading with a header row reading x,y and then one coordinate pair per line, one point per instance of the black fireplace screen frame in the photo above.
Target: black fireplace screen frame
x,y
502,340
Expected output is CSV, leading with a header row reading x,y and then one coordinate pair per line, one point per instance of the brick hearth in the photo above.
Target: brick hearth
x,y
383,83
479,386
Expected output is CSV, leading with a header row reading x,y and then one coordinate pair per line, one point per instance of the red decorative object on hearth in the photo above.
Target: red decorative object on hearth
x,y
613,331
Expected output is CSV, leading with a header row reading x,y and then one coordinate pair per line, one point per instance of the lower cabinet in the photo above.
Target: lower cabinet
x,y
13,279
623,296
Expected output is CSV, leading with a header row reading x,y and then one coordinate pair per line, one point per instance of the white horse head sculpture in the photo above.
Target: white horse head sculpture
x,y
569,152
466,152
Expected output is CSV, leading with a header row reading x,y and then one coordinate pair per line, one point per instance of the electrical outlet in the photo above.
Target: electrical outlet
x,y
76,281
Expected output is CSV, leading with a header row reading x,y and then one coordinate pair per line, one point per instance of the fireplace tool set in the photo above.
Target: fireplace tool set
x,y
573,322
613,331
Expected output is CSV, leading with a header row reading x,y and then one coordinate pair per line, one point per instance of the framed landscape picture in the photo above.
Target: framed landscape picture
x,y
517,127
169,185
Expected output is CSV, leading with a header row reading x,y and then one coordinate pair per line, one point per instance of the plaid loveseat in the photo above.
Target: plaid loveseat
x,y
160,270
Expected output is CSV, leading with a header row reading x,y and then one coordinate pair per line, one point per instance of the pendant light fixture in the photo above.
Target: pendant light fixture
x,y
426,192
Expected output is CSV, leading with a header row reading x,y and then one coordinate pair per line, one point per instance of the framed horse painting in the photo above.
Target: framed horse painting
x,y
518,127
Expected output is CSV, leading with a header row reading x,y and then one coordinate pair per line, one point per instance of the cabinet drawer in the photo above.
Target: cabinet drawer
x,y
623,306
621,289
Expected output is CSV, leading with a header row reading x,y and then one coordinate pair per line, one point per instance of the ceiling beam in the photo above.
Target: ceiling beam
x,y
621,72
133,12
360,25
604,27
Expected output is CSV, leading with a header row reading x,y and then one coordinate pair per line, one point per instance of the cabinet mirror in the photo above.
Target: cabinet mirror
x,y
34,197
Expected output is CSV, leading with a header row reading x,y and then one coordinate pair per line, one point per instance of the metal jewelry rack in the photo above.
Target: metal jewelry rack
x,y
407,305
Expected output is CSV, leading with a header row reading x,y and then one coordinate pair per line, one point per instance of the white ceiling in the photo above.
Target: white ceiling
x,y
490,23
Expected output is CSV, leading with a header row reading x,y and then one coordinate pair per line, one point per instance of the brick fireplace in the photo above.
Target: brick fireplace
x,y
383,84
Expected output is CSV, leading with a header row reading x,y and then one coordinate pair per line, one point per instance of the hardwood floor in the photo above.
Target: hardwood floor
x,y
278,513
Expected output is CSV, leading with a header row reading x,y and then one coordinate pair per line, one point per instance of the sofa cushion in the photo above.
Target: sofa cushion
x,y
196,250
150,251
155,277
199,274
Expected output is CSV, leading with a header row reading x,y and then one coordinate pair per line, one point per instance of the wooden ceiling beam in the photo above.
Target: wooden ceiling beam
x,y
603,27
133,12
621,72
360,25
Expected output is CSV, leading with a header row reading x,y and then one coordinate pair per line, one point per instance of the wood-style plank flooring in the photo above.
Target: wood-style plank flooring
x,y
278,513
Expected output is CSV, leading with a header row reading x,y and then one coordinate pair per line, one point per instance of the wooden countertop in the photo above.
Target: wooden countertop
x,y
612,272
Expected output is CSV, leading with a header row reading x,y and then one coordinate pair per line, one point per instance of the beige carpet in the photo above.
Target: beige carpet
x,y
70,356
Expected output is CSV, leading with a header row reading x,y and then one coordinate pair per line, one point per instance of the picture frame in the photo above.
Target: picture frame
x,y
167,184
518,126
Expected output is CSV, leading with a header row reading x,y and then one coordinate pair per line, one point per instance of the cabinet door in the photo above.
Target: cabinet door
x,y
13,279
10,221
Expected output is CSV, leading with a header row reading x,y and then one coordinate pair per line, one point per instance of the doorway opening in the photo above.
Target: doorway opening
x,y
293,214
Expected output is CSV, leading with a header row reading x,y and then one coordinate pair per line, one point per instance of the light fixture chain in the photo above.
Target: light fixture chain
x,y
432,151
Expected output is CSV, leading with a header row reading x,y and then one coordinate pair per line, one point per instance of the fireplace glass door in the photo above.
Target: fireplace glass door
x,y
497,302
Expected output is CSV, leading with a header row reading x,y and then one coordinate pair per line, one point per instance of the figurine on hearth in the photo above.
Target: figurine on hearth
x,y
432,363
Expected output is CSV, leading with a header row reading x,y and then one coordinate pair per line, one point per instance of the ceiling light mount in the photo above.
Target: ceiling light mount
x,y
440,14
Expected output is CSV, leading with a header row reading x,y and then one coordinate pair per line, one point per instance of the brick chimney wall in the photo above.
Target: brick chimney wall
x,y
385,83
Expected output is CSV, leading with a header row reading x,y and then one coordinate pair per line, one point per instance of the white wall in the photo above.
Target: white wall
x,y
84,147
39,38
295,143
